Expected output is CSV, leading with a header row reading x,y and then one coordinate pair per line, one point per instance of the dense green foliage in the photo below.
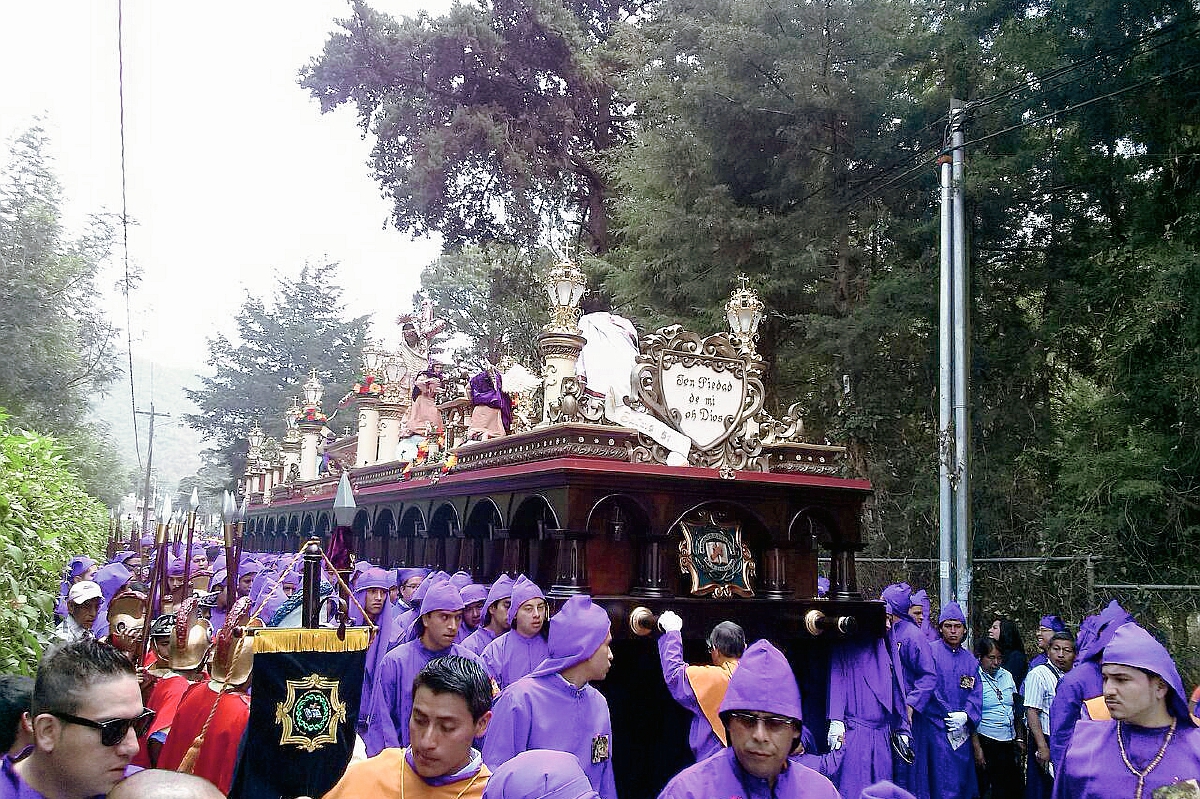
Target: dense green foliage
x,y
45,519
59,349
797,143
488,119
303,327
485,293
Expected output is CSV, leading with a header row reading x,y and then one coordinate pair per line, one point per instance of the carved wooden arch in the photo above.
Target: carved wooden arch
x,y
757,535
324,524
383,540
810,526
518,510
624,499
478,513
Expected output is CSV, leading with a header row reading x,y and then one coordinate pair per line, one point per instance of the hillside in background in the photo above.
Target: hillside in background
x,y
176,446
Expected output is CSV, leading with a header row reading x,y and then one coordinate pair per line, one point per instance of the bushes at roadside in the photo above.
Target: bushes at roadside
x,y
45,519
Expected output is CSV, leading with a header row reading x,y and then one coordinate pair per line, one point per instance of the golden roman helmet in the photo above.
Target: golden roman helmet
x,y
191,638
233,656
200,582
126,618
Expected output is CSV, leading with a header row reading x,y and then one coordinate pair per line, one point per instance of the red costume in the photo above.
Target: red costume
x,y
217,735
164,701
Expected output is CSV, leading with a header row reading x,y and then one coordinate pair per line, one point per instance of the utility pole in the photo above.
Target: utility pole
x,y
954,350
146,501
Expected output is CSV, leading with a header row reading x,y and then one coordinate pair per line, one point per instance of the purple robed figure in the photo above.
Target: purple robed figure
x,y
470,595
1083,682
927,627
916,674
513,655
865,696
545,711
404,624
391,696
1098,765
763,683
500,591
111,578
950,768
1050,622
487,392
381,580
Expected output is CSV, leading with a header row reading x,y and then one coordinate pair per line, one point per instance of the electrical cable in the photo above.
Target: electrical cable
x,y
125,224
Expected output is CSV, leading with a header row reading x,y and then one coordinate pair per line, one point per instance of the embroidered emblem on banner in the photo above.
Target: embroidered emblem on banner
x,y
967,681
599,749
310,713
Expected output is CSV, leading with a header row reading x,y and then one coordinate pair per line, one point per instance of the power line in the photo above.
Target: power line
x,y
125,224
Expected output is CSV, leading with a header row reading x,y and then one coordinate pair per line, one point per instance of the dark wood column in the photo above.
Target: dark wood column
x,y
571,572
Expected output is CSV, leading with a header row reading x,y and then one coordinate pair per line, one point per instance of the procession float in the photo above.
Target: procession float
x,y
650,476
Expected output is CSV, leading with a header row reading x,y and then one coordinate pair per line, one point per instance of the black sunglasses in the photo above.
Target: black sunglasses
x,y
113,731
750,721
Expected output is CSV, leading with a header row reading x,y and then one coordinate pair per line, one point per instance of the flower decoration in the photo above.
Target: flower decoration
x,y
312,413
368,385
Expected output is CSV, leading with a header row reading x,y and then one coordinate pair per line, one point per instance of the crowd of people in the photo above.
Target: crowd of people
x,y
476,690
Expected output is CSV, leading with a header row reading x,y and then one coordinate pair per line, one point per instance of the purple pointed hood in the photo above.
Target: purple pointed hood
x,y
371,578
764,683
523,590
501,589
111,579
404,575
442,596
1108,621
898,598
473,593
461,579
578,629
220,577
1052,622
175,567
1130,645
539,774
78,565
147,540
951,611
431,579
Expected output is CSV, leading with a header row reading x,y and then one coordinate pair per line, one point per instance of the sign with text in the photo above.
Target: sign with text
x,y
708,396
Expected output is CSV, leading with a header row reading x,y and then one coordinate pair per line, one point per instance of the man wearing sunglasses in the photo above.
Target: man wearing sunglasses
x,y
86,711
761,713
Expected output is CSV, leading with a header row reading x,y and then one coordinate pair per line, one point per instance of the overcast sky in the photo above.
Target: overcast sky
x,y
233,174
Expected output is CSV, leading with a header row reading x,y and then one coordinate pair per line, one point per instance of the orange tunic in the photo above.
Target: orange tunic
x,y
388,776
218,752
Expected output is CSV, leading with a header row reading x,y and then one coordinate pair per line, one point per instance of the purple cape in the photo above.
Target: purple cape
x,y
483,392
478,640
511,656
576,632
865,695
549,713
722,776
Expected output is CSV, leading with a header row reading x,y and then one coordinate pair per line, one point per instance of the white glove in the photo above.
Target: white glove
x,y
956,722
670,622
837,734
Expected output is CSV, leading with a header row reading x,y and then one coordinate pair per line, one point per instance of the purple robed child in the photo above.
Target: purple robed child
x,y
865,699
519,651
471,594
500,591
762,684
391,696
1083,682
545,710
1103,755
540,774
915,671
948,719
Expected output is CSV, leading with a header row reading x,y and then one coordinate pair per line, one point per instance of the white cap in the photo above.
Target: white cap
x,y
83,591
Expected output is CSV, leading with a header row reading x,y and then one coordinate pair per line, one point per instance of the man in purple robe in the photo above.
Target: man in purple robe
x,y
407,583
865,708
391,696
1149,742
554,707
700,689
1047,626
371,593
762,717
519,651
1080,691
404,624
951,715
915,671
495,621
473,597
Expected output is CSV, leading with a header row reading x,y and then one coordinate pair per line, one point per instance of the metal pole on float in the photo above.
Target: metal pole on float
x,y
945,437
962,364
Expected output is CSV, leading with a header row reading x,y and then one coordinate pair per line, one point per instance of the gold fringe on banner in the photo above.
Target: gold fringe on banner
x,y
299,639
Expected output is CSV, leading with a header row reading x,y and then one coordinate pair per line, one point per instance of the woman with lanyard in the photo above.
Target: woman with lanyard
x,y
1040,687
998,739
